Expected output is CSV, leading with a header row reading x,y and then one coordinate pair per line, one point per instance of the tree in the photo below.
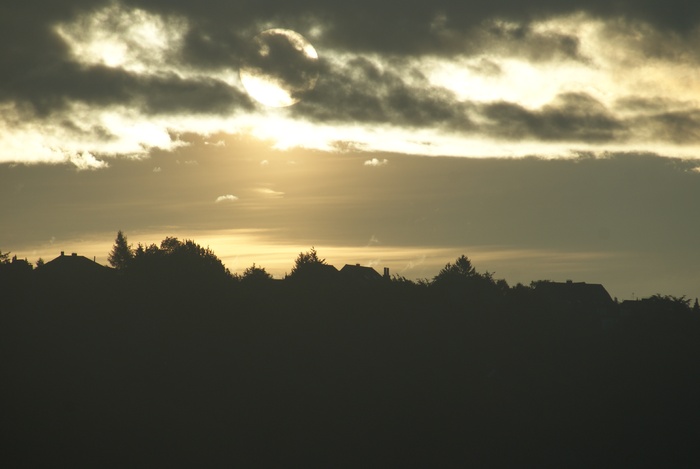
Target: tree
x,y
176,260
463,285
308,265
462,269
40,262
306,260
669,303
255,274
121,255
170,245
4,257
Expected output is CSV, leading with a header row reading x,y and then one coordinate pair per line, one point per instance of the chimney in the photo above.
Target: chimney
x,y
386,272
74,254
357,265
62,253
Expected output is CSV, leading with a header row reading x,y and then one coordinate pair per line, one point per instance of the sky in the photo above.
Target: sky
x,y
554,140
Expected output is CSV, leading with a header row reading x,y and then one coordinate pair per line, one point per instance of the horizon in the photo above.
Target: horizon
x,y
281,269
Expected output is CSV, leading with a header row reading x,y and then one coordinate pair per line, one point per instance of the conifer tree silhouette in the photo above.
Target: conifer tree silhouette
x,y
121,254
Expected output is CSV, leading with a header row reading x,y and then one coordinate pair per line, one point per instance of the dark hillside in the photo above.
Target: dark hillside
x,y
160,372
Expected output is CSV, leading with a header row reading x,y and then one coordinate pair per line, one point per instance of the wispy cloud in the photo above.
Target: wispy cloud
x,y
412,264
226,198
270,192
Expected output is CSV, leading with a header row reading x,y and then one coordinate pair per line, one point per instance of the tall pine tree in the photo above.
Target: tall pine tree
x,y
121,254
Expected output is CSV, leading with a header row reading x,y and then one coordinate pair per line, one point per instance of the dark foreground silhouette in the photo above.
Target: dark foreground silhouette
x,y
161,367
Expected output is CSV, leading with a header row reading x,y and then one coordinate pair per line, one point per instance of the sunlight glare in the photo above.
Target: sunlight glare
x,y
265,90
278,73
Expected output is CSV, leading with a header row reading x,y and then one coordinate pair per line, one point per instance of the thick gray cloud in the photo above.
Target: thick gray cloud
x,y
571,117
359,90
36,68
417,26
54,88
219,29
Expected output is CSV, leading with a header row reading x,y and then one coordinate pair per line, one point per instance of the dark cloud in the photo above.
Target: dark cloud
x,y
571,117
208,46
35,65
174,95
419,26
52,90
36,69
519,40
662,119
279,55
95,131
348,93
361,90
680,127
655,105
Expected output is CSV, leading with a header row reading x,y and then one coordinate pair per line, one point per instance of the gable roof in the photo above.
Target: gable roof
x,y
360,273
73,265
576,294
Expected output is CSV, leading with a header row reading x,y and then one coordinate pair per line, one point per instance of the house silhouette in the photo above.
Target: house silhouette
x,y
361,274
73,266
576,296
17,268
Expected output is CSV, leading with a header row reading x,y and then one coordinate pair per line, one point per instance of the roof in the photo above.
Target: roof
x,y
17,266
360,273
73,265
576,294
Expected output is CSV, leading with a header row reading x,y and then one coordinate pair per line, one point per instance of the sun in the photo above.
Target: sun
x,y
280,67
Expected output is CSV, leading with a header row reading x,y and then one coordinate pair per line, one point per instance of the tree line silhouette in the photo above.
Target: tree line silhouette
x,y
168,359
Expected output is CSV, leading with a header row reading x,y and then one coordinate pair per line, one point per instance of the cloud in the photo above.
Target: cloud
x,y
270,192
367,91
125,78
376,162
570,117
86,161
412,264
226,198
157,169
